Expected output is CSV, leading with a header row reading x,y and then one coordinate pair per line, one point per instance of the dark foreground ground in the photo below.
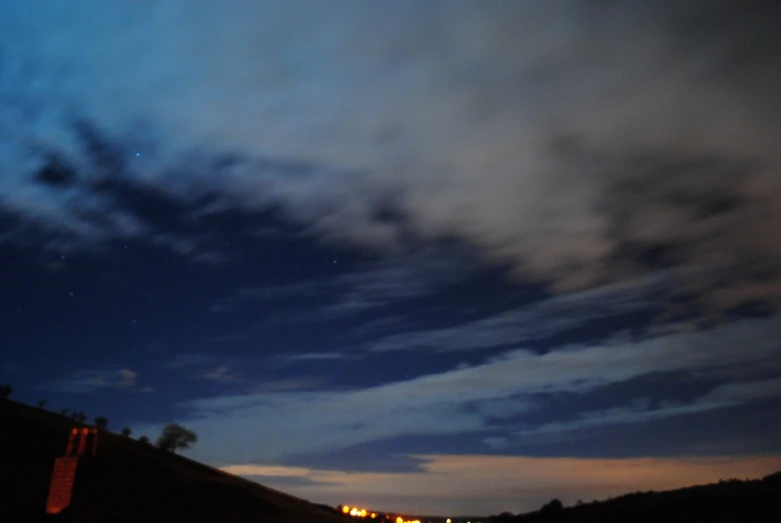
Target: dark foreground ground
x,y
130,481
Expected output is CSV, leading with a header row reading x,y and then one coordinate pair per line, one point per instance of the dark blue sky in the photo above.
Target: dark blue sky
x,y
440,258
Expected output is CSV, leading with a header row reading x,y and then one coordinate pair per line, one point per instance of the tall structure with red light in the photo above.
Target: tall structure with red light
x,y
82,445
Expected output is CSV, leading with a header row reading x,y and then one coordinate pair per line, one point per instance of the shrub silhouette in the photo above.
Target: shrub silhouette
x,y
175,436
144,440
101,422
42,403
64,412
6,391
126,432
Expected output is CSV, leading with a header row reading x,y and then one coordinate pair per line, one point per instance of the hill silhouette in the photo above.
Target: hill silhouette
x,y
129,481
728,501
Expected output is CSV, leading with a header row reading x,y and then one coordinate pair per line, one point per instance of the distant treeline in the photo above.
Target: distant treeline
x,y
733,500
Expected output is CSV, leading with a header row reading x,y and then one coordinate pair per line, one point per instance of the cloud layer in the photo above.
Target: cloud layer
x,y
578,142
272,425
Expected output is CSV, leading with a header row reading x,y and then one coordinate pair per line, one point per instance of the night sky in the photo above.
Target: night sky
x,y
437,257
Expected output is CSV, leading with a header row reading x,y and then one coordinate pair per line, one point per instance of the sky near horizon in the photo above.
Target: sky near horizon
x,y
432,257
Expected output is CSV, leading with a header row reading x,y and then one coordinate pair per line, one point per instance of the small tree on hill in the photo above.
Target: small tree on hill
x,y
6,391
175,436
101,422
144,440
80,416
42,403
126,432
64,412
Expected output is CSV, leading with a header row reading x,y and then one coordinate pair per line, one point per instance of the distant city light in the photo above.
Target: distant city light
x,y
363,513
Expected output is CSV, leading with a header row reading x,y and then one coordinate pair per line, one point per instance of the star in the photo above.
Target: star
x,y
62,257
334,262
134,322
138,154
71,293
125,247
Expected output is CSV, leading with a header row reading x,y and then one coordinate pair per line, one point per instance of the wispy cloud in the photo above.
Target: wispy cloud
x,y
404,277
91,380
467,484
221,373
727,395
372,326
538,320
468,399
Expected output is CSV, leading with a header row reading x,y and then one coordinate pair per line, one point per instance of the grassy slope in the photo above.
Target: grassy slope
x,y
131,480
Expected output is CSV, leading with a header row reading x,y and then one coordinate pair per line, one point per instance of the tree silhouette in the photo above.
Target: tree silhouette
x,y
64,412
80,416
126,432
6,391
554,505
175,436
42,403
101,422
144,440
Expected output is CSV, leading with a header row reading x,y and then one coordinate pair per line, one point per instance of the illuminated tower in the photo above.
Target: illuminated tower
x,y
82,446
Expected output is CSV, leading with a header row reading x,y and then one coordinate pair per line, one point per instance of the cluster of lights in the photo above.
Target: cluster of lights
x,y
358,512
363,513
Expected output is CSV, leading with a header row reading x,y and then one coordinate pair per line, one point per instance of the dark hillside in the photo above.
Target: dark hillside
x,y
129,480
